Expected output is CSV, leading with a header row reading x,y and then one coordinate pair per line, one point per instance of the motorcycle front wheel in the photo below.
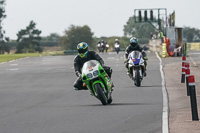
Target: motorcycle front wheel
x,y
137,77
100,94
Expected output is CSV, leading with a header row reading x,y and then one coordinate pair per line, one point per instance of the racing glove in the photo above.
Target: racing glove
x,y
144,55
125,60
145,58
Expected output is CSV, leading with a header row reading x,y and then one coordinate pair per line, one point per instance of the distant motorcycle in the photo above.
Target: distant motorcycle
x,y
97,81
102,47
136,67
107,46
99,47
117,47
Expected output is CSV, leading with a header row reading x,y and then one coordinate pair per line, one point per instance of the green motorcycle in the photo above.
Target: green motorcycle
x,y
97,81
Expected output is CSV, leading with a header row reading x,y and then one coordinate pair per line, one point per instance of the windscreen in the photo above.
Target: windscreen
x,y
135,54
89,64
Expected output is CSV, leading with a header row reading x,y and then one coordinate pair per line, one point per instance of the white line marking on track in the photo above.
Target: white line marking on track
x,y
111,58
193,61
165,119
14,60
15,69
13,64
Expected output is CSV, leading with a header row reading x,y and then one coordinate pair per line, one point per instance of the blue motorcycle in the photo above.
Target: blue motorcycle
x,y
136,67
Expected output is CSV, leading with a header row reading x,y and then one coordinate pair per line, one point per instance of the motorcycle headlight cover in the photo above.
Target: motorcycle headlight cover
x,y
95,73
89,75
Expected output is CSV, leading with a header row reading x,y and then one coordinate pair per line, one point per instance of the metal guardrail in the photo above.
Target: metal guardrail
x,y
193,46
70,52
74,52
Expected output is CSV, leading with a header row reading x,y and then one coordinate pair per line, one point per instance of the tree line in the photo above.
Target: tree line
x,y
29,39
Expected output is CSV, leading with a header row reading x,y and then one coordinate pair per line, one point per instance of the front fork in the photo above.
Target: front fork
x,y
132,71
102,86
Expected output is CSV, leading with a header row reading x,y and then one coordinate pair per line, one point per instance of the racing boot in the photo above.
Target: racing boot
x,y
81,88
128,73
145,68
112,86
145,73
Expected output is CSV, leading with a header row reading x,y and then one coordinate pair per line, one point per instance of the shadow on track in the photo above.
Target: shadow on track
x,y
118,104
151,86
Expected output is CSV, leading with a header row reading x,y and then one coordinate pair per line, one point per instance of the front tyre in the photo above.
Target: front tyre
x,y
100,94
137,77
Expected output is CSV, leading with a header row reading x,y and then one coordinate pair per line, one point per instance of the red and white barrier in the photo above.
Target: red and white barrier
x,y
187,73
183,69
193,101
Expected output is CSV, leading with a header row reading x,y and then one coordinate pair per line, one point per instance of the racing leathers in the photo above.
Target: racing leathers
x,y
78,64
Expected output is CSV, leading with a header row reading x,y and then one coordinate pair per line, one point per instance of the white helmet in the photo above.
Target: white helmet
x,y
116,40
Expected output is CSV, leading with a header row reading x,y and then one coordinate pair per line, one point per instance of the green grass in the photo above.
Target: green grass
x,y
9,57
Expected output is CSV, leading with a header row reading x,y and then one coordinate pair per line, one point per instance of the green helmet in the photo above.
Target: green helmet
x,y
82,49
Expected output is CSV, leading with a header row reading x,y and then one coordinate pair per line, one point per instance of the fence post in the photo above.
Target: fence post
x,y
193,100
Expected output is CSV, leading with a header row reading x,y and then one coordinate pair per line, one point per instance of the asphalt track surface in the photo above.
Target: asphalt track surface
x,y
37,96
194,56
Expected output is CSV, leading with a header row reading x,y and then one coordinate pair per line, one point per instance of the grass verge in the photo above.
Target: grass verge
x,y
9,57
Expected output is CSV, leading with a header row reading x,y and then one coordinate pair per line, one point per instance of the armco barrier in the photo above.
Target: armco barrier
x,y
70,52
194,46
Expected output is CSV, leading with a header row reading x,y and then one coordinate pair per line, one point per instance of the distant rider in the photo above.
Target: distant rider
x,y
99,46
133,46
103,47
83,56
117,45
117,41
107,46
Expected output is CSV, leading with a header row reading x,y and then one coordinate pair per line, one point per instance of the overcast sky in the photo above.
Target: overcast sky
x,y
104,17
